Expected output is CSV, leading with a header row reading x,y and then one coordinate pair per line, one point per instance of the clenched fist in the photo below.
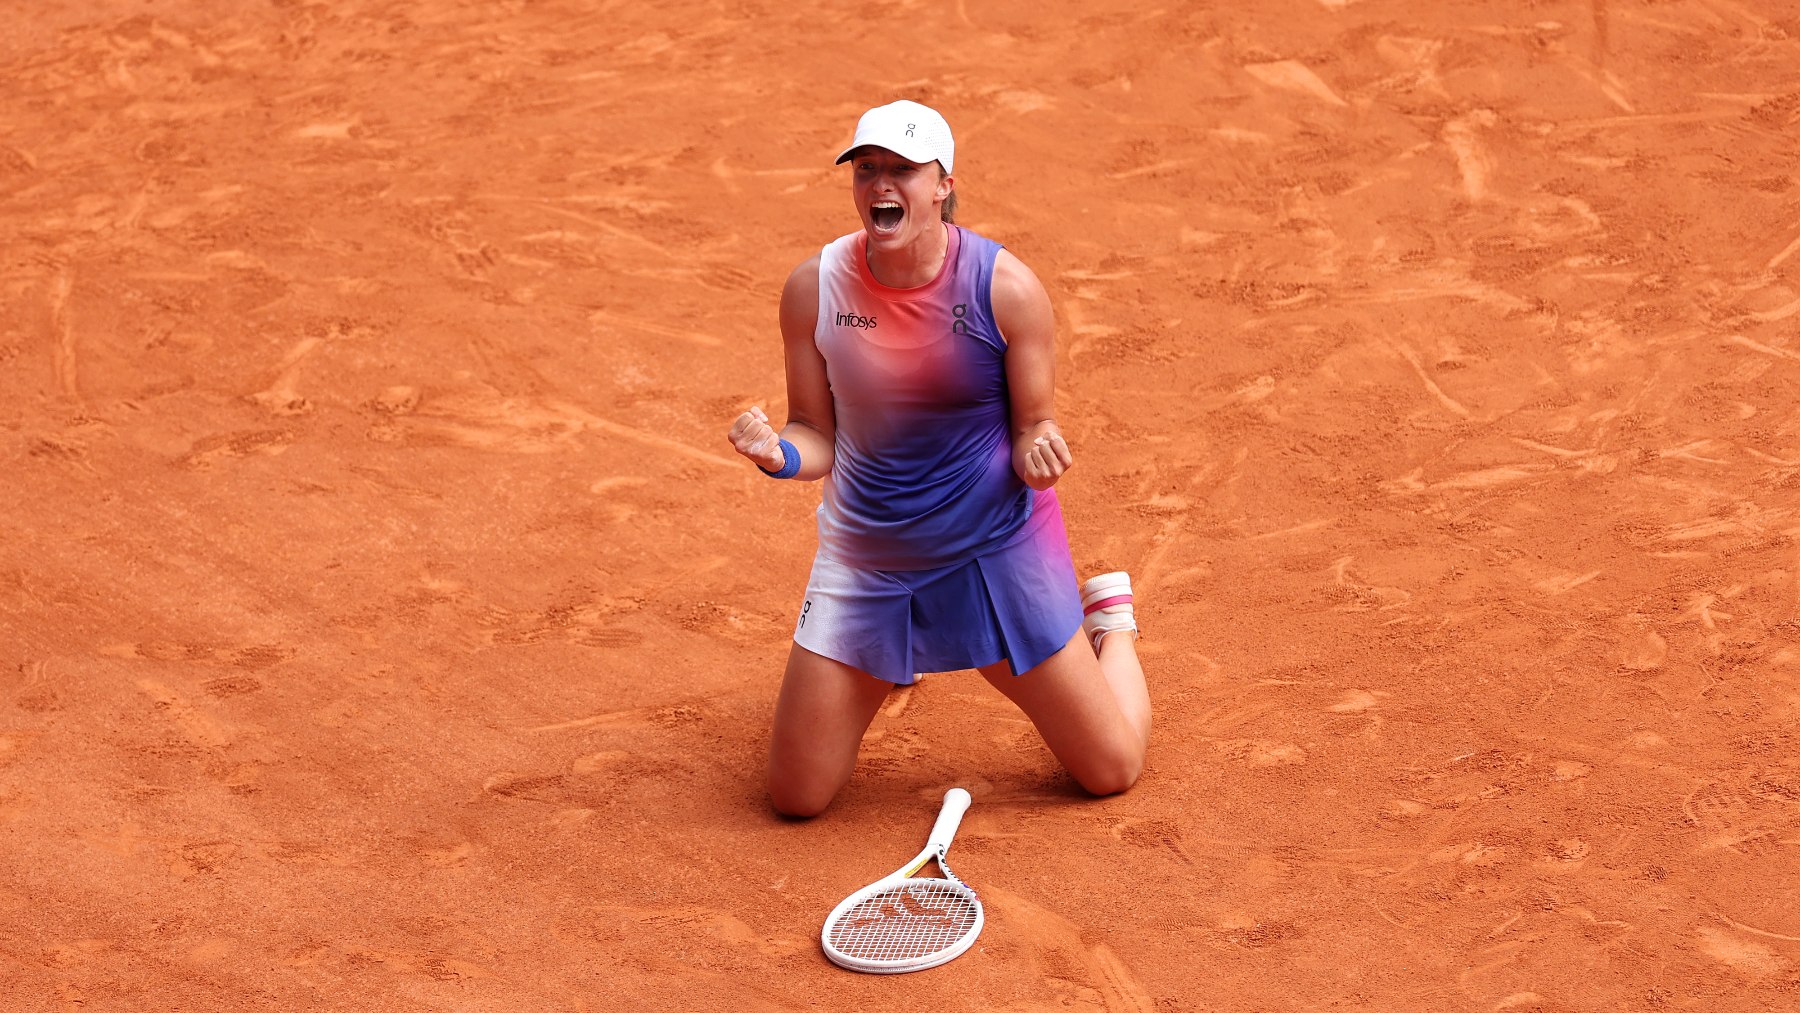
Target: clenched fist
x,y
752,436
1047,459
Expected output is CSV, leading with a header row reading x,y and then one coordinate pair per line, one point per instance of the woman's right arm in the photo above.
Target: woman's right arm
x,y
812,422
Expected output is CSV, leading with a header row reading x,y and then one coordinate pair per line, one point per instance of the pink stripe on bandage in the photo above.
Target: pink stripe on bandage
x,y
1121,599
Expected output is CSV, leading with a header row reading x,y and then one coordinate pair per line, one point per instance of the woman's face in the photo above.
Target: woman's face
x,y
898,200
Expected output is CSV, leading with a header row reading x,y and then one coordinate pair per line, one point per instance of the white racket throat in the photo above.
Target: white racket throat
x,y
905,922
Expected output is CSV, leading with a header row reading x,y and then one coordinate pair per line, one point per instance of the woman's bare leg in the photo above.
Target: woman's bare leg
x,y
1119,665
824,708
1094,713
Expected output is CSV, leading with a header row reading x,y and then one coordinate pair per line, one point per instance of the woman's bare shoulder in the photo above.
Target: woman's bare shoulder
x,y
1016,287
800,297
804,277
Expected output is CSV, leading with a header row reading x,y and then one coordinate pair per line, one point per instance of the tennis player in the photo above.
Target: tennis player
x,y
920,377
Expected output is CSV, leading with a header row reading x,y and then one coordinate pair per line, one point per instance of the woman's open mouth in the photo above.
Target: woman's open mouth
x,y
886,216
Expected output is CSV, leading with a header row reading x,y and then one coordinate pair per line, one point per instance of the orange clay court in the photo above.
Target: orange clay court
x,y
389,626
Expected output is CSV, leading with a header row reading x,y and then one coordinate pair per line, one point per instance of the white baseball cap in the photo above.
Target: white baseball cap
x,y
914,132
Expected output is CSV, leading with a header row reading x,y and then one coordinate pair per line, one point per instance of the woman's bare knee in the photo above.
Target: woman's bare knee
x,y
802,797
1076,710
1109,775
803,783
820,716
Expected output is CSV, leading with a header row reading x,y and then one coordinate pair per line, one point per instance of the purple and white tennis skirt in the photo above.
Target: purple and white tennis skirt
x,y
1019,603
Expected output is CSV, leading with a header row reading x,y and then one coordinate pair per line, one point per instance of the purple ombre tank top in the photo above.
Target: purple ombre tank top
x,y
923,475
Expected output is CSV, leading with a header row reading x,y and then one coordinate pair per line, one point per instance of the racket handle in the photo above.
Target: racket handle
x,y
956,802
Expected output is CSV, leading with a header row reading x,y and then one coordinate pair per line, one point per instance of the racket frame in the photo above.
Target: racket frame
x,y
956,802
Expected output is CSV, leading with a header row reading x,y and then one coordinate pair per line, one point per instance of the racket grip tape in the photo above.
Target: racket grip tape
x,y
956,802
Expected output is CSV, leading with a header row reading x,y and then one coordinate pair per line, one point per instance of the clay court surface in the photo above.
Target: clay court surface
x,y
387,625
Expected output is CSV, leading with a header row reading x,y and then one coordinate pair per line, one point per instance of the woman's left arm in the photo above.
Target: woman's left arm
x,y
1040,455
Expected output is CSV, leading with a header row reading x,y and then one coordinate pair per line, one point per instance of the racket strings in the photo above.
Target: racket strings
x,y
912,919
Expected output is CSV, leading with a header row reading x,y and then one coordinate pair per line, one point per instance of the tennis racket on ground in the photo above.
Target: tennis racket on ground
x,y
905,922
